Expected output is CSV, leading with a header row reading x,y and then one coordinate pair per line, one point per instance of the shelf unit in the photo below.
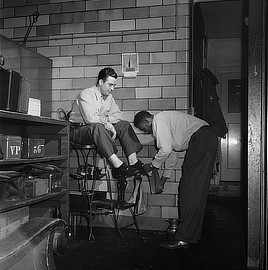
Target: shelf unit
x,y
56,135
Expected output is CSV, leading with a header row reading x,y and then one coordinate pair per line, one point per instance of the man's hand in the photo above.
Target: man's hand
x,y
110,128
147,167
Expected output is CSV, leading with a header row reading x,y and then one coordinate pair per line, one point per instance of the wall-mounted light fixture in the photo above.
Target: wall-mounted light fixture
x,y
130,64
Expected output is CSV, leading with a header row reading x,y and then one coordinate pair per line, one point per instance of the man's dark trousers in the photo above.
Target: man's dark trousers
x,y
197,172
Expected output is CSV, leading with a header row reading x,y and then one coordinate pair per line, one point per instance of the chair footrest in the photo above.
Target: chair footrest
x,y
109,204
79,201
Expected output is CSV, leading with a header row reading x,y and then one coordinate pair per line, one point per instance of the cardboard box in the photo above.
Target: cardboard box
x,y
36,187
34,106
11,146
32,148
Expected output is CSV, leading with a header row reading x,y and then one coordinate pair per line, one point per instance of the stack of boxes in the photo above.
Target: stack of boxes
x,y
16,147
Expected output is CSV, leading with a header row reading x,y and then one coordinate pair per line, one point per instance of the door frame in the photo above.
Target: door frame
x,y
257,183
257,136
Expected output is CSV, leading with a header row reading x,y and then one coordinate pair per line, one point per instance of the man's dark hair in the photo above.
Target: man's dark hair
x,y
139,118
105,73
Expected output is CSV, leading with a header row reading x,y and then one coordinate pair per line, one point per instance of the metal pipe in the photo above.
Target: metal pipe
x,y
96,35
33,19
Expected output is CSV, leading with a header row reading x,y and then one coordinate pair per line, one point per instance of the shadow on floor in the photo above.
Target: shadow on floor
x,y
222,246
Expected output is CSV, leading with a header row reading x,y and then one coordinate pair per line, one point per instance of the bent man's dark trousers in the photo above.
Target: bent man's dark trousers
x,y
95,133
197,171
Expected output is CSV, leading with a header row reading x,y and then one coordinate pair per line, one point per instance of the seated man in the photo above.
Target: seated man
x,y
103,123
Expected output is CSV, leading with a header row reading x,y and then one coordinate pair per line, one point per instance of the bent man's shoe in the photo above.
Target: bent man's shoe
x,y
175,244
124,170
138,166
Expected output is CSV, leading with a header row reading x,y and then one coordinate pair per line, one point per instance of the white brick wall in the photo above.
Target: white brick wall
x,y
79,51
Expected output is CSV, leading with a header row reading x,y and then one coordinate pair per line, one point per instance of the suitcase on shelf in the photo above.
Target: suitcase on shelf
x,y
36,187
10,85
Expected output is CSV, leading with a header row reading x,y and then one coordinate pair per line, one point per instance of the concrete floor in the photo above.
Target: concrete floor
x,y
222,246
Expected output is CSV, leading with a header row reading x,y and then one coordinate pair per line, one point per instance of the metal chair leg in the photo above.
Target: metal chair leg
x,y
135,220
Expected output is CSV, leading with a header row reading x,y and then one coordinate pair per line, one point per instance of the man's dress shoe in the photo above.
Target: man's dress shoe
x,y
175,244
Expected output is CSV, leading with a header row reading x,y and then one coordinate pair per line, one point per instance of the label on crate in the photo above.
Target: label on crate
x,y
11,146
32,148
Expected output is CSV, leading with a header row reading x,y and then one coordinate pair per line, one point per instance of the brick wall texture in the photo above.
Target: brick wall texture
x,y
81,37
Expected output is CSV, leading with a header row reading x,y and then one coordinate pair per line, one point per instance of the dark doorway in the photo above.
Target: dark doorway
x,y
220,46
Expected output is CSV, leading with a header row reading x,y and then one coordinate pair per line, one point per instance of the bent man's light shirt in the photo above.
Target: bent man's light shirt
x,y
173,130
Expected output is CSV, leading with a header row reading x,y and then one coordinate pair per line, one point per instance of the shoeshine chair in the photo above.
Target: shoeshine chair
x,y
88,202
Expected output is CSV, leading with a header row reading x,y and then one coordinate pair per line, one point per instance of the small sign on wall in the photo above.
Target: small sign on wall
x,y
130,64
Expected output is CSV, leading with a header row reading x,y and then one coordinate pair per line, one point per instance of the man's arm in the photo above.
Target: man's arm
x,y
114,113
170,164
89,106
164,143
